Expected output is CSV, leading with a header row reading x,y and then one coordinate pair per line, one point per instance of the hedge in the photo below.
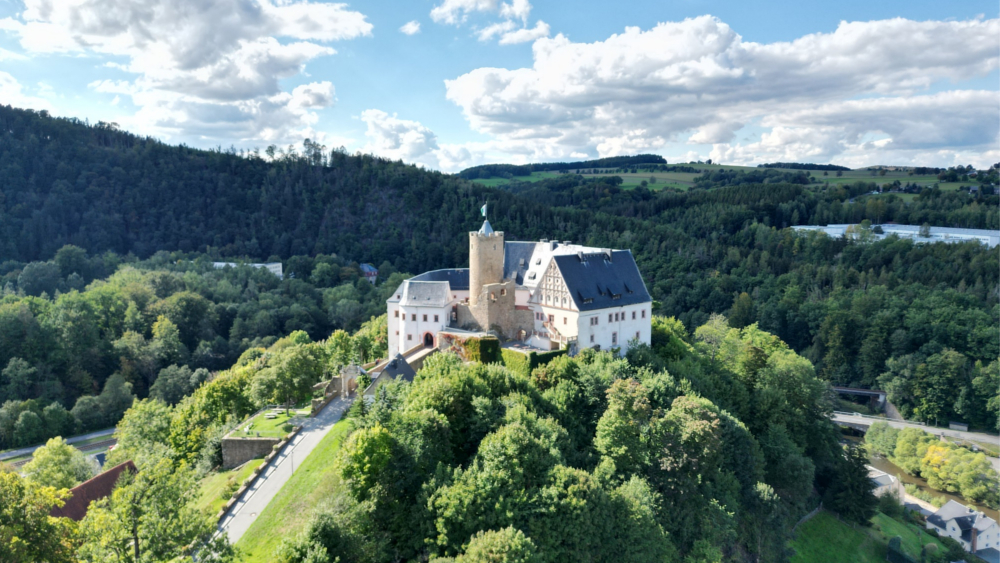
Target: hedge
x,y
483,350
526,363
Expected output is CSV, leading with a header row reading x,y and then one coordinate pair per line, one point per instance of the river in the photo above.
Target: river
x,y
892,469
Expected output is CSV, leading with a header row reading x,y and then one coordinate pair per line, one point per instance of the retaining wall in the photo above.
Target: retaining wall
x,y
237,451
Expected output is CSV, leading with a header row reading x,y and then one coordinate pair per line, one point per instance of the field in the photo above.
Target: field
x,y
826,539
287,514
211,497
684,180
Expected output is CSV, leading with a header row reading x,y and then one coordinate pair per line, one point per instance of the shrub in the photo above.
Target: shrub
x,y
287,427
889,505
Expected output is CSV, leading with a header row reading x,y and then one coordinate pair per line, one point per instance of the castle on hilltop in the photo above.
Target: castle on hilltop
x,y
542,295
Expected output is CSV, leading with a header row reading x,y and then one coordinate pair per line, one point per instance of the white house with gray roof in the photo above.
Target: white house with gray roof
x,y
545,295
974,530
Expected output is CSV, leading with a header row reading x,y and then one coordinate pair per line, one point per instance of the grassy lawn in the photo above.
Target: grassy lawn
x,y
825,539
313,482
913,537
270,427
211,495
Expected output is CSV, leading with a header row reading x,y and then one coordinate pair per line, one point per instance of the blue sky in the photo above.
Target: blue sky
x,y
476,81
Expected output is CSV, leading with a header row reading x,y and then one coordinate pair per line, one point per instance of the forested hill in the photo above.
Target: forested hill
x,y
102,189
918,320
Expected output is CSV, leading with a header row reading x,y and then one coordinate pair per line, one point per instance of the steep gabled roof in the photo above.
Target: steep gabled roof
x,y
425,294
964,517
602,280
93,489
457,278
397,367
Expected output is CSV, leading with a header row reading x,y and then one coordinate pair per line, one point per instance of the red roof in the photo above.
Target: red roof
x,y
93,489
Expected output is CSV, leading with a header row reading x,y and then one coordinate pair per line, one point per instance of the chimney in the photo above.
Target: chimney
x,y
567,242
544,240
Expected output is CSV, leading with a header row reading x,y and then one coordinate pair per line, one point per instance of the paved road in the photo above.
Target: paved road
x,y
30,450
868,420
277,473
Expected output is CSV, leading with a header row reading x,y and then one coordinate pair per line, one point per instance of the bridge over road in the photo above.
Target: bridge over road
x,y
863,421
876,395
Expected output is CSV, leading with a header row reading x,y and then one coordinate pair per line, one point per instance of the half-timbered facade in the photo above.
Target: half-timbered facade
x,y
545,294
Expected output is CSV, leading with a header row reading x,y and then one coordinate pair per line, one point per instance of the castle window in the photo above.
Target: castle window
x,y
633,315
503,292
591,338
397,333
609,317
565,321
637,335
396,313
414,317
644,313
552,318
425,318
435,318
493,296
409,337
614,338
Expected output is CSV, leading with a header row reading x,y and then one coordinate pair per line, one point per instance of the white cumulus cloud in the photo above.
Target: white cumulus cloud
x,y
12,93
511,29
204,67
410,27
698,81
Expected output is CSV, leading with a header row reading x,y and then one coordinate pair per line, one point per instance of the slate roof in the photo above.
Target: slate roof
x,y
368,269
486,229
516,259
398,367
93,489
882,480
593,280
964,517
425,294
458,278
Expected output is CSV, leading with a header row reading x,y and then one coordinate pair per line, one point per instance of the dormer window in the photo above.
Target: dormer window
x,y
531,275
538,262
616,296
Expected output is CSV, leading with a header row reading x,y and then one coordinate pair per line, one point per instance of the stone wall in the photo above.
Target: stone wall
x,y
496,310
485,262
237,451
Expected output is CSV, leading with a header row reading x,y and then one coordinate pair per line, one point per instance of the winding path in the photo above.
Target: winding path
x,y
281,468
